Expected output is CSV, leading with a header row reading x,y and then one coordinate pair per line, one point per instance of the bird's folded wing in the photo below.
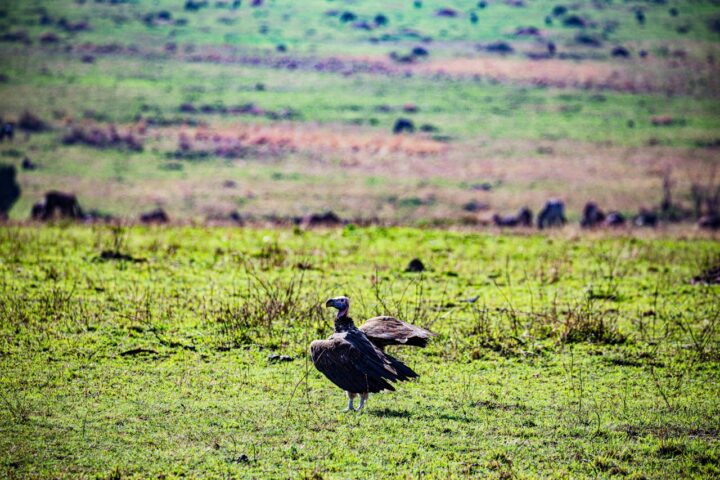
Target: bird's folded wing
x,y
353,364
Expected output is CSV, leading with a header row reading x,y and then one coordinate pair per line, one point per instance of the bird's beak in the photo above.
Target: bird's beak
x,y
330,303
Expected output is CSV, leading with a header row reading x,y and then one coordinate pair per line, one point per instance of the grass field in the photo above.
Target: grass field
x,y
131,351
589,356
293,106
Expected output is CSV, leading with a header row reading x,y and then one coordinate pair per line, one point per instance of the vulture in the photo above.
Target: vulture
x,y
354,358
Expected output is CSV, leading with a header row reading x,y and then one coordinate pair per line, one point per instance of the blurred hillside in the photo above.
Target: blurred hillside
x,y
412,112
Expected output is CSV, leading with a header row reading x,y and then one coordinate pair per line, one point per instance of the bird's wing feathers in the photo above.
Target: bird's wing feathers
x,y
386,330
354,364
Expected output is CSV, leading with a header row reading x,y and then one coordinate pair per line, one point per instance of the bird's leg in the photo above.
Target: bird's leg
x,y
363,399
351,397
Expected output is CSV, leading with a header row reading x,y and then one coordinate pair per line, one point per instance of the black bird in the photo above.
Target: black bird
x,y
353,358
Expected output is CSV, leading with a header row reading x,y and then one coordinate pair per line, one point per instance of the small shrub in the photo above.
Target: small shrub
x,y
98,137
31,123
588,322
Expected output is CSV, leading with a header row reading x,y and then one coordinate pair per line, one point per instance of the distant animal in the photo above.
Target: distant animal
x,y
420,52
348,17
28,164
615,219
9,189
381,19
61,204
523,218
194,6
552,215
475,206
37,211
354,358
620,52
7,130
646,218
640,17
500,47
155,216
325,219
236,217
592,216
710,222
403,125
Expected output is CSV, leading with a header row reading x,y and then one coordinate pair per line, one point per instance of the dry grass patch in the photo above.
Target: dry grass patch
x,y
290,137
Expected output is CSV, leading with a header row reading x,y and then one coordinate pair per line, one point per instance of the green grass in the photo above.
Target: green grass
x,y
307,27
122,90
582,357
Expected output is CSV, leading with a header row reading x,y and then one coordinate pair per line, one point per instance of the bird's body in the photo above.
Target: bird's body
x,y
353,358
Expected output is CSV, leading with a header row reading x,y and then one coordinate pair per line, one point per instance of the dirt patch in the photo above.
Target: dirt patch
x,y
293,137
588,74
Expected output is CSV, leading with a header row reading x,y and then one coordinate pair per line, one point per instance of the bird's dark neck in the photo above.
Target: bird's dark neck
x,y
344,323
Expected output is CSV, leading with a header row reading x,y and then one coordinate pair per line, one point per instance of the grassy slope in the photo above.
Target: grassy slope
x,y
501,392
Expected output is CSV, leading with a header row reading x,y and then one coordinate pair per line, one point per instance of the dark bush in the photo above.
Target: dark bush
x,y
28,164
195,5
575,21
714,24
9,189
73,27
446,12
620,52
640,17
346,17
19,36
420,52
527,31
588,40
500,47
31,123
559,10
155,216
49,37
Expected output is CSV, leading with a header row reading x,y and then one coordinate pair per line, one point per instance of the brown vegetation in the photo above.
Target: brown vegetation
x,y
234,142
103,137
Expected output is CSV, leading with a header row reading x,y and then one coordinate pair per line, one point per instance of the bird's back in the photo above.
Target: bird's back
x,y
385,330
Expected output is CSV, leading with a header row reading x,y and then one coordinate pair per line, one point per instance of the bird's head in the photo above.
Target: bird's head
x,y
342,304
